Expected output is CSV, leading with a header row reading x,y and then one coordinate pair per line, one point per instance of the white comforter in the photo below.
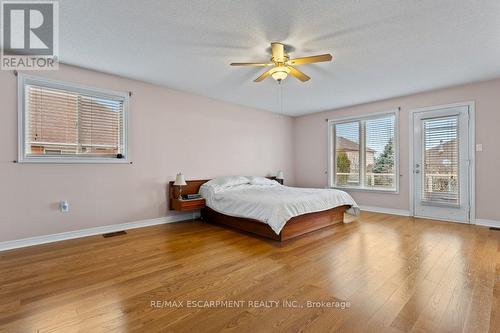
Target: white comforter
x,y
274,204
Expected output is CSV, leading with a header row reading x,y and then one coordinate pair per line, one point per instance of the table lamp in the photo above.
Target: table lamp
x,y
280,177
180,181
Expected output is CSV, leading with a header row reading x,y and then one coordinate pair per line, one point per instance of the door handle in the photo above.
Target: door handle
x,y
417,171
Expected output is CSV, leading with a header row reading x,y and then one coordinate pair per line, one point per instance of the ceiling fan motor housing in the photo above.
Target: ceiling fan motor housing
x,y
278,52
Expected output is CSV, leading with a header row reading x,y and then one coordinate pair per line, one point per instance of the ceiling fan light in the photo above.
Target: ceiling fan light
x,y
278,76
280,73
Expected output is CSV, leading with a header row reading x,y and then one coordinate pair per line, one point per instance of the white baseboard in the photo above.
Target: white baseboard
x,y
383,210
37,240
487,223
401,212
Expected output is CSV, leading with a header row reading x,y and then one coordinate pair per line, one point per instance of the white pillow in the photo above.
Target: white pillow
x,y
256,180
227,181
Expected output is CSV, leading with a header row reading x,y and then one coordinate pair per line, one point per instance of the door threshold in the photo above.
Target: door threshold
x,y
440,219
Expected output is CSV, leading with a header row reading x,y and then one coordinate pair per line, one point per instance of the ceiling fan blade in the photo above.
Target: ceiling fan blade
x,y
298,74
263,76
312,59
278,51
253,64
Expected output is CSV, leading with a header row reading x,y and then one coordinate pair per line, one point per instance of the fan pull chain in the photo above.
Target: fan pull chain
x,y
281,97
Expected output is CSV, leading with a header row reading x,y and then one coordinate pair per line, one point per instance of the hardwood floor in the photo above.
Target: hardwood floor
x,y
390,273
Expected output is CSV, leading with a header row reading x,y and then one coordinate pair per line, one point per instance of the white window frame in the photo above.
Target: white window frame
x,y
24,80
333,156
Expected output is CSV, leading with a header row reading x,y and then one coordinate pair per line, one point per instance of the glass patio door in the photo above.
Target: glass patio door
x,y
441,164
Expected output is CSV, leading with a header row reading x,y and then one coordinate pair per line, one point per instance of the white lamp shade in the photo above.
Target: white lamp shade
x,y
280,175
180,180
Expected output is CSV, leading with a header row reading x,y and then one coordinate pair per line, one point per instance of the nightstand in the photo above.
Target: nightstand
x,y
183,205
186,205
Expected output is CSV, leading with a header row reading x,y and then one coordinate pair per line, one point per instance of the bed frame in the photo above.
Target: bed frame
x,y
295,227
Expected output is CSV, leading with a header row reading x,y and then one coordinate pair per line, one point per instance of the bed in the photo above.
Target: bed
x,y
264,207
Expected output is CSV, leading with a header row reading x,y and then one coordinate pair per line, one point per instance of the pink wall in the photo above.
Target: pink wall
x,y
310,144
171,131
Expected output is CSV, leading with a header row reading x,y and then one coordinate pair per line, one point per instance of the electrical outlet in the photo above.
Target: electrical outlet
x,y
479,147
64,206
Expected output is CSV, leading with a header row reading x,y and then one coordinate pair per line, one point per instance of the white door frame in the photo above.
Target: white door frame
x,y
472,156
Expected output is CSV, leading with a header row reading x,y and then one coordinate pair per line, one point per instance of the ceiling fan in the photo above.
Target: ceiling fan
x,y
282,65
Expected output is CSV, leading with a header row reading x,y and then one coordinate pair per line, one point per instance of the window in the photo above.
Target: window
x,y
63,122
441,160
363,153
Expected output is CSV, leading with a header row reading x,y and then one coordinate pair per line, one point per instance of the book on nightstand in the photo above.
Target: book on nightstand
x,y
191,196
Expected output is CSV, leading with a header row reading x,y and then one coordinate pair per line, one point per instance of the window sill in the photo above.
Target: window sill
x,y
58,160
360,189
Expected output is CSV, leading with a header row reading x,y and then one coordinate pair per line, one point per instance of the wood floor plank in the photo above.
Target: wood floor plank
x,y
396,274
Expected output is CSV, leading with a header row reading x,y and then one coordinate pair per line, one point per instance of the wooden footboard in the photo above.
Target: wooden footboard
x,y
295,227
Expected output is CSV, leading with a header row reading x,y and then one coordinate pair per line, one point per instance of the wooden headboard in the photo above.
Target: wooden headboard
x,y
192,187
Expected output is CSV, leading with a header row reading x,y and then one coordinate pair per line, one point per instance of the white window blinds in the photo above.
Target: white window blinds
x,y
100,126
53,121
380,153
364,154
347,154
441,161
63,123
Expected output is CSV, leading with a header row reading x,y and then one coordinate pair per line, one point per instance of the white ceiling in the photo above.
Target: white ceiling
x,y
381,48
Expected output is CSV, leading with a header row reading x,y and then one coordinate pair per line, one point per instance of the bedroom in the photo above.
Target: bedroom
x,y
141,106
